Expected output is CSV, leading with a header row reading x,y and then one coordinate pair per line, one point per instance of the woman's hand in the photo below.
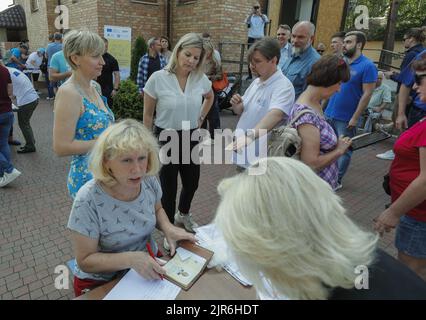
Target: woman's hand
x,y
240,143
146,266
386,221
343,144
174,234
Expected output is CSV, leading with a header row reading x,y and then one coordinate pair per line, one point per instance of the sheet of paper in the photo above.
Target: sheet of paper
x,y
183,253
209,234
133,287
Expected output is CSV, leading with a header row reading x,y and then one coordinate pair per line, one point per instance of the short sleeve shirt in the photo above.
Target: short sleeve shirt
x,y
380,95
5,102
406,165
23,88
407,78
257,26
328,139
261,97
343,104
119,226
59,63
173,105
34,57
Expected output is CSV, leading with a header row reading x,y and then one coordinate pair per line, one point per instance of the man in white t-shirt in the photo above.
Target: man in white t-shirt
x,y
26,101
266,103
33,63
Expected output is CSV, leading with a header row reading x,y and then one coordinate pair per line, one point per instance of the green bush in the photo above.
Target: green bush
x,y
127,102
139,49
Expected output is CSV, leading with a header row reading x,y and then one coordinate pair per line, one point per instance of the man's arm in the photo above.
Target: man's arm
x,y
403,101
367,89
54,75
116,82
140,79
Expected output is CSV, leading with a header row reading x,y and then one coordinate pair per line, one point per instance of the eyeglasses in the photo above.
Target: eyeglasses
x,y
281,34
256,7
320,51
419,77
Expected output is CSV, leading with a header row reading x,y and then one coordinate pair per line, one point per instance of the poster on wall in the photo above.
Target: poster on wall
x,y
119,45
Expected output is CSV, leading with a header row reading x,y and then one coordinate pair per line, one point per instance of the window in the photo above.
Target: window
x,y
145,1
34,5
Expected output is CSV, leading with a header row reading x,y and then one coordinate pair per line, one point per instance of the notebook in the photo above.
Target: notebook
x,y
187,264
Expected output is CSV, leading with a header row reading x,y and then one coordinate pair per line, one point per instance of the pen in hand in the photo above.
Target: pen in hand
x,y
151,253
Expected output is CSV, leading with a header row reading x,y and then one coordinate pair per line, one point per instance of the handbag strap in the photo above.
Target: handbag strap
x,y
301,113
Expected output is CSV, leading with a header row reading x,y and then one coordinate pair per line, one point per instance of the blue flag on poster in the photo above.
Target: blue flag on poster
x,y
119,46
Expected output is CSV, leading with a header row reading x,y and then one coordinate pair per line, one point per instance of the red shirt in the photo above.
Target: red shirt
x,y
5,102
406,166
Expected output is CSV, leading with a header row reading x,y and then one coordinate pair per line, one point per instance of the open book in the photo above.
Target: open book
x,y
187,264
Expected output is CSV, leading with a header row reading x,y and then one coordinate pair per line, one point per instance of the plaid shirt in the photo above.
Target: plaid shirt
x,y
142,77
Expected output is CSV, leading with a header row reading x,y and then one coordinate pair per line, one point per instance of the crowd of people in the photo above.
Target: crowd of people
x,y
289,245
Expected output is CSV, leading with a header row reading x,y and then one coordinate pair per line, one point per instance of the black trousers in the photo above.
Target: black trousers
x,y
189,174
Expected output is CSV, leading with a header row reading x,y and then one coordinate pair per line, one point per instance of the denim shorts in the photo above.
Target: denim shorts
x,y
411,237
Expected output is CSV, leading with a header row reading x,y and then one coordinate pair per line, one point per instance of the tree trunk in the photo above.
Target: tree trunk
x,y
388,44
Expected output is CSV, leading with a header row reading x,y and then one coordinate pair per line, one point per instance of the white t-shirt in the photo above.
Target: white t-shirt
x,y
23,89
173,105
261,97
37,61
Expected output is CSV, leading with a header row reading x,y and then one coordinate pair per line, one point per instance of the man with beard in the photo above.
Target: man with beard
x,y
345,107
299,65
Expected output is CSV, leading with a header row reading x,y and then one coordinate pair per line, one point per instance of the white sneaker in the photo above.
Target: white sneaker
x,y
388,155
9,177
186,220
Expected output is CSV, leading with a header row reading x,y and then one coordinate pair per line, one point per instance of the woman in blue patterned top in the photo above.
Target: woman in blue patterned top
x,y
81,112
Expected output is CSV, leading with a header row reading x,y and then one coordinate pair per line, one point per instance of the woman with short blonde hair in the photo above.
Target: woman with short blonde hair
x,y
114,214
292,238
81,112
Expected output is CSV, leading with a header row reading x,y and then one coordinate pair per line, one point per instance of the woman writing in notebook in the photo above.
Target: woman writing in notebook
x,y
114,214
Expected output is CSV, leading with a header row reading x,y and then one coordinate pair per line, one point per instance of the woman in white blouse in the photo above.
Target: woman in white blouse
x,y
181,96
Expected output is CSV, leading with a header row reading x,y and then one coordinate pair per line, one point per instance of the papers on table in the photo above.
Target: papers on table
x,y
210,238
133,287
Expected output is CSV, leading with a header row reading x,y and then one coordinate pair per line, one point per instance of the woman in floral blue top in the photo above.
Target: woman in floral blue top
x,y
81,112
320,146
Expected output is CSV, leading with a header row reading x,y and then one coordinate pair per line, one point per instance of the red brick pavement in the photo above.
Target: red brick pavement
x,y
34,209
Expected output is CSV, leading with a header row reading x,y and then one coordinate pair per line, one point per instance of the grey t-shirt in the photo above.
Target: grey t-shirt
x,y
119,226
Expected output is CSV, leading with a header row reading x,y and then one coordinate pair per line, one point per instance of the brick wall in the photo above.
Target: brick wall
x,y
37,29
145,19
83,15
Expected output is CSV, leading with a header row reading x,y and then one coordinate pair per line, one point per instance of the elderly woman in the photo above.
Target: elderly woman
x,y
114,214
81,112
291,238
408,187
320,146
176,93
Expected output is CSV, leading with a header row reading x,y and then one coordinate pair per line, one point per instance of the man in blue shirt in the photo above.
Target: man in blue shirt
x,y
15,60
346,106
299,65
283,36
418,109
59,69
54,47
256,22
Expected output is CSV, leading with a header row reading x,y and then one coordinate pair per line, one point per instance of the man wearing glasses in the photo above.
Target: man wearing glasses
x,y
256,23
283,37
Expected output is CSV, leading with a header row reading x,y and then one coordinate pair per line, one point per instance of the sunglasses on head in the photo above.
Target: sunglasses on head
x,y
419,77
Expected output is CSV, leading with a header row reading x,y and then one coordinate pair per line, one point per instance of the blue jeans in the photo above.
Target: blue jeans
x,y
6,122
49,85
340,128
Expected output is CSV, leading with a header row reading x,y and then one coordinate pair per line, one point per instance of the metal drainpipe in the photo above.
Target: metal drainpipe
x,y
168,20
